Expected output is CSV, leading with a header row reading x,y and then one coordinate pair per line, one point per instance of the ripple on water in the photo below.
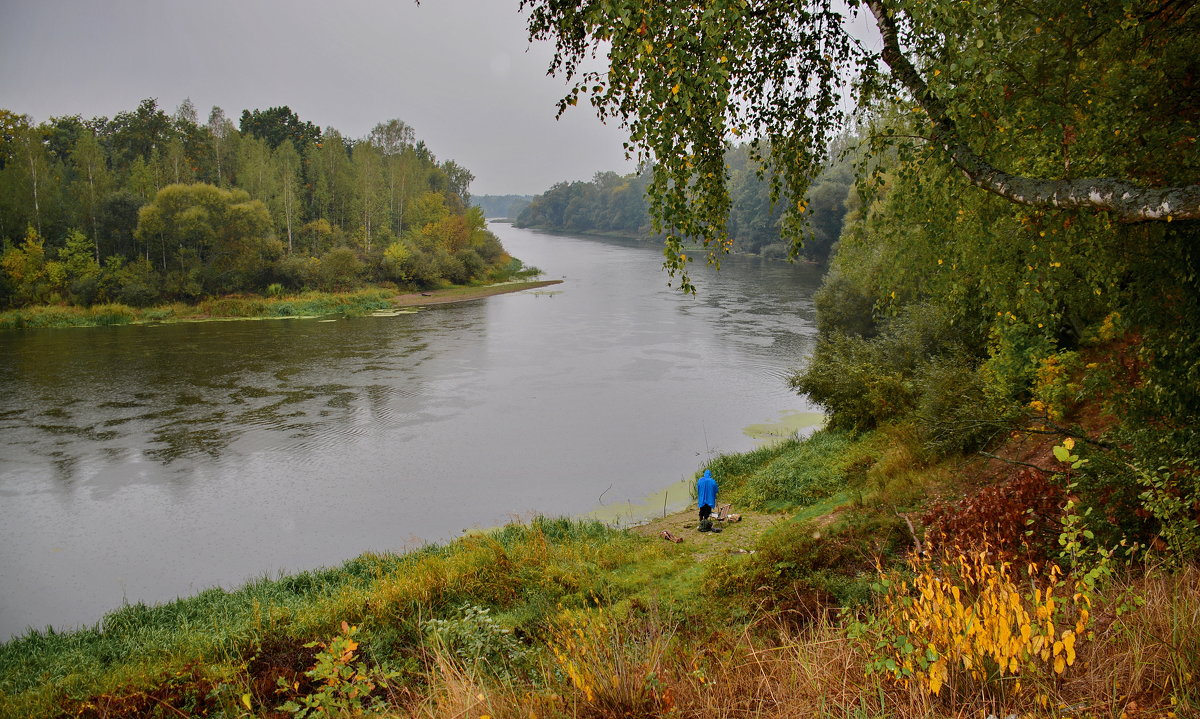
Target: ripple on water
x,y
182,442
116,404
90,433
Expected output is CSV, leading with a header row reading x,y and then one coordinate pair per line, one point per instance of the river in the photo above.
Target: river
x,y
142,463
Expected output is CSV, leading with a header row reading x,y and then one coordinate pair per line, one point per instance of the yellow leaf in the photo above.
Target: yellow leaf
x,y
937,72
675,90
1060,664
1069,443
246,701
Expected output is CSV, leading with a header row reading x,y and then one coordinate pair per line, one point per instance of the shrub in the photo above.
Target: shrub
x,y
954,413
844,307
139,285
1057,388
473,264
111,314
339,269
864,382
968,622
480,643
1017,518
851,378
343,686
298,271
1015,353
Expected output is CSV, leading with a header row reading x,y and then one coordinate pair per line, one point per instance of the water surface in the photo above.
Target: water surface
x,y
148,462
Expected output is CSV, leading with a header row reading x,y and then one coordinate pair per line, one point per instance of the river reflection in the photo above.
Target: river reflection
x,y
144,463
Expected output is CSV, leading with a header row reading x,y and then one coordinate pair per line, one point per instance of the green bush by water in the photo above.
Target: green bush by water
x,y
792,473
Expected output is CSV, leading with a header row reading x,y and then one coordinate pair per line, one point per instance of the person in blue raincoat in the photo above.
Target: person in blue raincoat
x,y
706,494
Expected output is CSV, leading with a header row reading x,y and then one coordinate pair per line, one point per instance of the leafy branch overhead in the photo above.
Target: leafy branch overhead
x,y
1047,105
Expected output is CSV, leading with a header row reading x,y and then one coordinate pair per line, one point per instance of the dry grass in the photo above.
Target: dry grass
x,y
1143,662
1146,651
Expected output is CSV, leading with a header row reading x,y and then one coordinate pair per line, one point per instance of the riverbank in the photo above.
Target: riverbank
x,y
253,307
451,295
561,618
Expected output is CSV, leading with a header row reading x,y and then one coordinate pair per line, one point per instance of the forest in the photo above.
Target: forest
x,y
611,203
150,207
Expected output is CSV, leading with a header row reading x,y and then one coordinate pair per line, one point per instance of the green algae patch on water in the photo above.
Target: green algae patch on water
x,y
791,423
673,498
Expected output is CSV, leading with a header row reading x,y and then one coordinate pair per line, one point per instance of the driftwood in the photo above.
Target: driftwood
x,y
913,531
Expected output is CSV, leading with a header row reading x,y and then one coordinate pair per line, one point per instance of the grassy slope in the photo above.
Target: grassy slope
x,y
738,624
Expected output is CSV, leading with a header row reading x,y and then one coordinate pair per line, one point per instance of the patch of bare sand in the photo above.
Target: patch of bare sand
x,y
465,294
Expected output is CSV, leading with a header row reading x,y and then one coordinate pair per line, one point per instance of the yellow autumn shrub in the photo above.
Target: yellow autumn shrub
x,y
970,621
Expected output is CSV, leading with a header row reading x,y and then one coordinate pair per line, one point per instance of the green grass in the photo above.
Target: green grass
x,y
843,493
525,571
308,304
792,473
53,316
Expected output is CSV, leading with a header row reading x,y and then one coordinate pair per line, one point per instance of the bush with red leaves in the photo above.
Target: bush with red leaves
x,y
1019,518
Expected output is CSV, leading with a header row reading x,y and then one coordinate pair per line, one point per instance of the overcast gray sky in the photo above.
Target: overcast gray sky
x,y
461,72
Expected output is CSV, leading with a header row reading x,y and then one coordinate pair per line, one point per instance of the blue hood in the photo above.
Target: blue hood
x,y
706,490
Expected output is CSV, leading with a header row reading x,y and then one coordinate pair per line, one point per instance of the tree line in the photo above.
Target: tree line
x,y
618,204
501,206
149,206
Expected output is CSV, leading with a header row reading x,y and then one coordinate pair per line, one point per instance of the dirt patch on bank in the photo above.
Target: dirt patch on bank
x,y
734,538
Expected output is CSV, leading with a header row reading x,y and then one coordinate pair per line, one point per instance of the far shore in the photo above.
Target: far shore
x,y
366,301
465,294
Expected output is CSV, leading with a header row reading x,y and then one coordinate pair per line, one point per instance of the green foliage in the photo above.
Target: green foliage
x,y
866,381
530,570
684,79
60,316
828,558
484,646
955,413
343,685
277,125
617,205
149,207
802,472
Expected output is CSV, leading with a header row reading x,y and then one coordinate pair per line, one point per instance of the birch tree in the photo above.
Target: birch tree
x,y
1082,106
